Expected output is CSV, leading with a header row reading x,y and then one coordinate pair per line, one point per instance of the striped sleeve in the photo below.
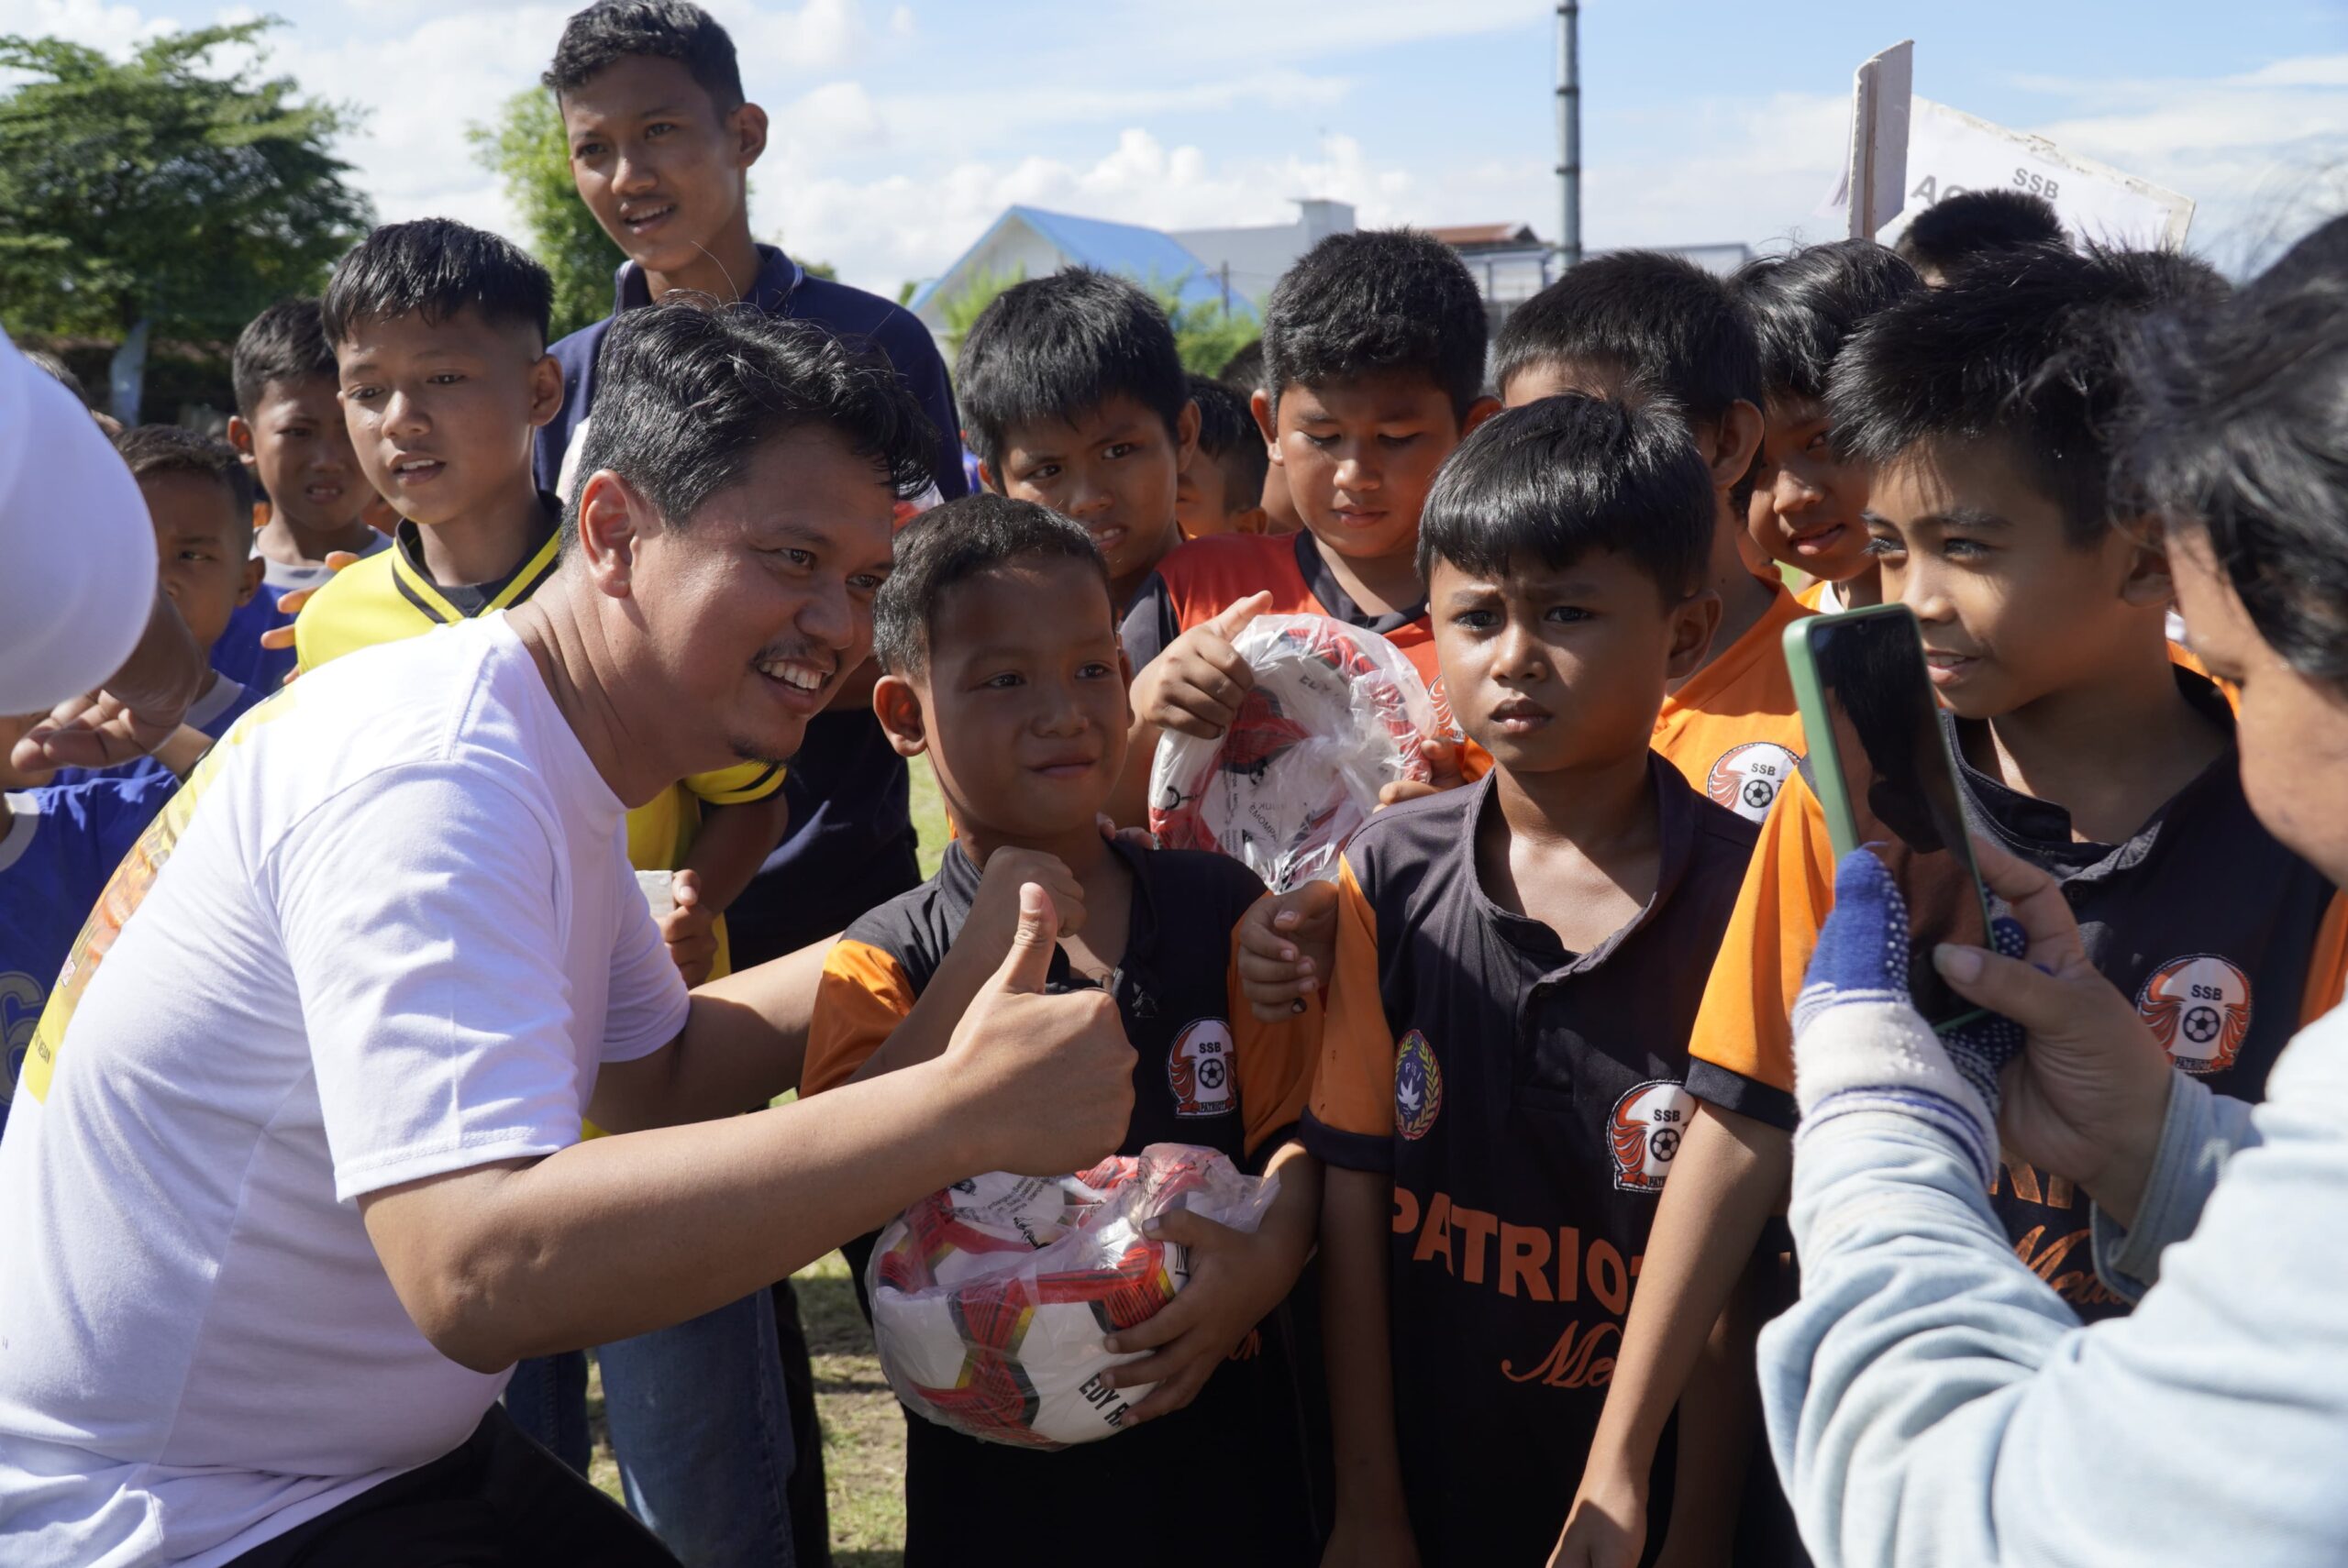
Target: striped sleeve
x,y
861,998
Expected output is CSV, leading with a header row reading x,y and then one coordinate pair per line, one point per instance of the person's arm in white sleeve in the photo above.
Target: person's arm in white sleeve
x,y
1932,1401
2201,1131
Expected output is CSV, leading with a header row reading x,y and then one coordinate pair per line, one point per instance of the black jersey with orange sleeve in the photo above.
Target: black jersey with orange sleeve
x,y
1528,1102
1230,1467
2226,940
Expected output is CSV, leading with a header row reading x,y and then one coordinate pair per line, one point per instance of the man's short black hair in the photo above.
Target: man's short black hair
x,y
956,542
2241,428
689,390
1243,372
664,29
1376,301
1050,348
285,344
1952,233
1228,435
1557,479
435,268
175,449
1804,306
2023,346
1660,322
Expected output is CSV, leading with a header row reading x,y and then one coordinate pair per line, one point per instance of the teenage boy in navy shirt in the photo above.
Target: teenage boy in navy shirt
x,y
1504,1080
662,141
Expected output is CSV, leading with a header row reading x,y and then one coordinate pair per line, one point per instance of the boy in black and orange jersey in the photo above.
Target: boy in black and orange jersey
x,y
1639,324
1000,659
1501,1091
1983,409
440,335
1374,370
1807,510
1073,397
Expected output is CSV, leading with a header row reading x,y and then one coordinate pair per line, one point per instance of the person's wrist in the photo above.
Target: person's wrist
x,y
2117,1187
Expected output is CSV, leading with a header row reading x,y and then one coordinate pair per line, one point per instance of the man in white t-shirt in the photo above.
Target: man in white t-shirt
x,y
296,1171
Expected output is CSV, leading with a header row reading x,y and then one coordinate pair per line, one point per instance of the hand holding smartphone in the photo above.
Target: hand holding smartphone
x,y
1880,763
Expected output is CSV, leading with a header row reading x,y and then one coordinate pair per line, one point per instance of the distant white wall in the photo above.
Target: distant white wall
x,y
1258,255
1008,249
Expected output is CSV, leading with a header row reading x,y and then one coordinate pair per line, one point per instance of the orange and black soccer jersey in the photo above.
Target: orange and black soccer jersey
x,y
1204,577
1733,728
2227,940
1229,1468
1528,1102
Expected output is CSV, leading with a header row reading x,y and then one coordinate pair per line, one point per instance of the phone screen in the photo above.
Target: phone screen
x,y
1901,786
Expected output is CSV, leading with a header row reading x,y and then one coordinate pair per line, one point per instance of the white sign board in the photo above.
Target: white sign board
x,y
1873,176
1950,152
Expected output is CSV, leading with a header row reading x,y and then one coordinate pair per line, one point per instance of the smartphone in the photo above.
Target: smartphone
x,y
1880,763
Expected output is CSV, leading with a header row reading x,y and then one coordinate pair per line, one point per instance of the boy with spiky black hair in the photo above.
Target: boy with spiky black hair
x,y
1374,370
998,641
1983,409
1073,397
1503,1082
1221,492
1639,324
1808,506
1954,233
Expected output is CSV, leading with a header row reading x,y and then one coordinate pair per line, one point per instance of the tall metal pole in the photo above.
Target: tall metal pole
x,y
1569,131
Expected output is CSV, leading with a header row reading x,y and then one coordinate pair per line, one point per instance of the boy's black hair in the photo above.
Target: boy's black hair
x,y
1243,372
434,268
2023,346
2241,428
1374,301
1051,347
175,449
664,29
1557,479
689,390
1662,323
1804,307
1955,232
58,371
956,542
1228,434
287,343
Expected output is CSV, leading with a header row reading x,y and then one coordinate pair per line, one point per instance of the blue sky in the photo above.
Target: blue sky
x,y
901,130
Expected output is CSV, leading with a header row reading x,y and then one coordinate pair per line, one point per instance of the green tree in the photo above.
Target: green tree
x,y
527,150
972,300
158,196
1206,332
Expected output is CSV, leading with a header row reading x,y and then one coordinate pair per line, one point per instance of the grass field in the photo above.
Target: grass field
x,y
863,1431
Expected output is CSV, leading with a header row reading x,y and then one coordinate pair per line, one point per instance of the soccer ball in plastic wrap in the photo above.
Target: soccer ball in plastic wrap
x,y
992,1300
1335,714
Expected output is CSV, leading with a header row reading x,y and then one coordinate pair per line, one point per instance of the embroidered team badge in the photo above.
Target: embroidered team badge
x,y
1747,778
1200,1067
2198,1008
1648,1125
1418,1086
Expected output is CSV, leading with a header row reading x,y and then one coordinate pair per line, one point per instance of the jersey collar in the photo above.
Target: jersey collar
x,y
449,603
1762,640
778,278
1321,583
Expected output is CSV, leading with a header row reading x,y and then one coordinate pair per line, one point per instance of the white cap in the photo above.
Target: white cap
x,y
77,552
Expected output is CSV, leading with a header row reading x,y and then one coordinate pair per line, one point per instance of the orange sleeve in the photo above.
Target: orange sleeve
x,y
1276,1060
2327,969
861,998
1745,1022
1354,1091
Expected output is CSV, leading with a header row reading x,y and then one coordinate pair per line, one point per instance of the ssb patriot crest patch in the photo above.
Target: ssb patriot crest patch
x,y
1747,778
1646,1127
1418,1086
2198,1008
1198,1069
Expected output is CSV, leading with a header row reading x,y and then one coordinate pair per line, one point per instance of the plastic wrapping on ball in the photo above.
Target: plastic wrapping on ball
x,y
992,1300
1336,715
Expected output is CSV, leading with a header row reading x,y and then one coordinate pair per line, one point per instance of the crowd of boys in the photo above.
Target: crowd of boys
x,y
1530,1157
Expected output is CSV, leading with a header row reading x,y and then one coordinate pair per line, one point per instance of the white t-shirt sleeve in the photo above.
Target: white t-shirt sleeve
x,y
648,1000
77,553
423,911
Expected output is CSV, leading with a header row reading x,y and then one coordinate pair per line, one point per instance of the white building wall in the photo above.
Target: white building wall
x,y
1258,255
1011,248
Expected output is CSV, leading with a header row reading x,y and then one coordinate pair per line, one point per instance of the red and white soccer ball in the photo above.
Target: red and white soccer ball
x,y
992,1300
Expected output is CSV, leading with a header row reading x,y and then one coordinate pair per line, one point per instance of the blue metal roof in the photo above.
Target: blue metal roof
x,y
1145,254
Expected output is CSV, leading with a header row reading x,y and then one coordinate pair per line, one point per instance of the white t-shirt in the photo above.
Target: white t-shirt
x,y
389,931
77,553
